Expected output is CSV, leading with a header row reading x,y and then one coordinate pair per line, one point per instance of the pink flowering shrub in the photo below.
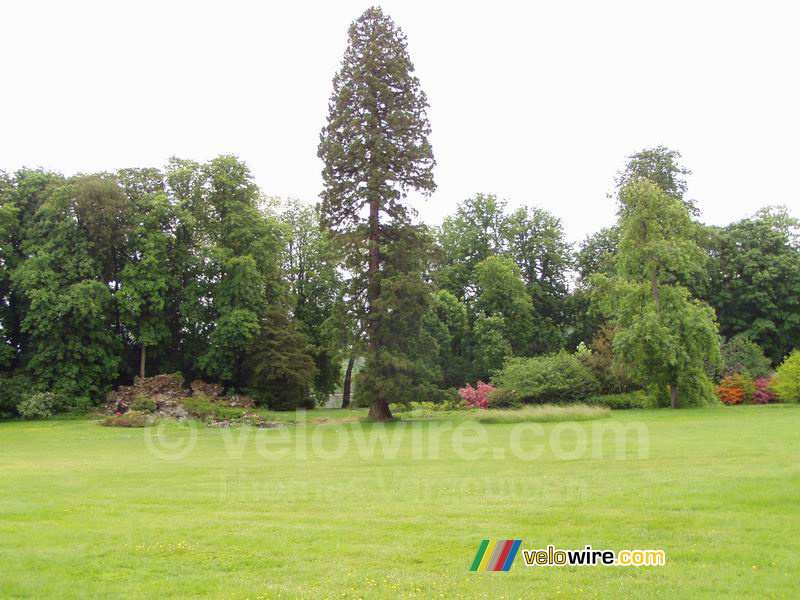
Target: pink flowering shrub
x,y
763,393
478,396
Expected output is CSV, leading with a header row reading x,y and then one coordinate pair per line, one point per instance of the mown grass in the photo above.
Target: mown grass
x,y
88,512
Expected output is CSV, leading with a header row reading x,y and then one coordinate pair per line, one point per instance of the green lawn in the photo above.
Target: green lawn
x,y
87,511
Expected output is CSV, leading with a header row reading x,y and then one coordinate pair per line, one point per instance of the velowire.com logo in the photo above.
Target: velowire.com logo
x,y
495,555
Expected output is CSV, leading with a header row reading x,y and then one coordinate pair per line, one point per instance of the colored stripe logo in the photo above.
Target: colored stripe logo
x,y
495,555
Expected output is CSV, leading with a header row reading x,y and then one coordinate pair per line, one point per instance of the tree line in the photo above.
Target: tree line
x,y
191,269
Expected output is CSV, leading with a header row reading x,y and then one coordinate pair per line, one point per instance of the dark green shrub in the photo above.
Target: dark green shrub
x,y
143,404
80,405
554,378
624,400
13,388
504,398
741,355
613,377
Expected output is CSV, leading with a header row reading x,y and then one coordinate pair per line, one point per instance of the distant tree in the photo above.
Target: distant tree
x,y
501,293
69,319
146,280
536,242
470,236
490,346
447,324
280,368
315,285
755,281
661,166
740,355
665,336
375,149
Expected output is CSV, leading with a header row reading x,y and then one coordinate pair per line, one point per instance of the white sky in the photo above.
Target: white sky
x,y
536,102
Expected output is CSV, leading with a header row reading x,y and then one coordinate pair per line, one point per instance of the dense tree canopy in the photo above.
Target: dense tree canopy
x,y
190,269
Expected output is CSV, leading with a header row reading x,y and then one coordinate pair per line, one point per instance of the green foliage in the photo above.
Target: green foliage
x,y
143,404
490,347
622,400
467,238
280,368
659,165
786,382
316,287
755,281
554,378
501,398
612,376
740,355
38,405
13,388
446,324
668,346
501,292
204,408
375,150
664,336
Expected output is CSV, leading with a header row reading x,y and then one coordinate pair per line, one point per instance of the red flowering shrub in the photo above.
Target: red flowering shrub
x,y
735,389
478,396
764,393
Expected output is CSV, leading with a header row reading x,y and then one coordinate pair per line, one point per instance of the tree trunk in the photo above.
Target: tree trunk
x,y
379,411
142,358
348,380
673,395
656,294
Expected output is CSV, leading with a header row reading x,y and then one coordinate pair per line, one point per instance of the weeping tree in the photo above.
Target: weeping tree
x,y
375,150
666,337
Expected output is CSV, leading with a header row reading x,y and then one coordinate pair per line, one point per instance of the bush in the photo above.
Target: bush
x,y
736,389
504,398
131,418
637,399
478,396
13,389
613,378
202,407
39,405
554,378
143,404
763,393
740,355
786,383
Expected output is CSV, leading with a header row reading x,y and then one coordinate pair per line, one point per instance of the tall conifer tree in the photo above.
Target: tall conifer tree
x,y
375,149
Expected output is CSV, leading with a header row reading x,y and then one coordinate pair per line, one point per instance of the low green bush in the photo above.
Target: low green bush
x,y
131,418
39,405
786,382
637,399
203,408
501,398
554,378
143,404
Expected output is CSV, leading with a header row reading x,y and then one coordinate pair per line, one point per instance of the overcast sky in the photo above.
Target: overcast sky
x,y
536,102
